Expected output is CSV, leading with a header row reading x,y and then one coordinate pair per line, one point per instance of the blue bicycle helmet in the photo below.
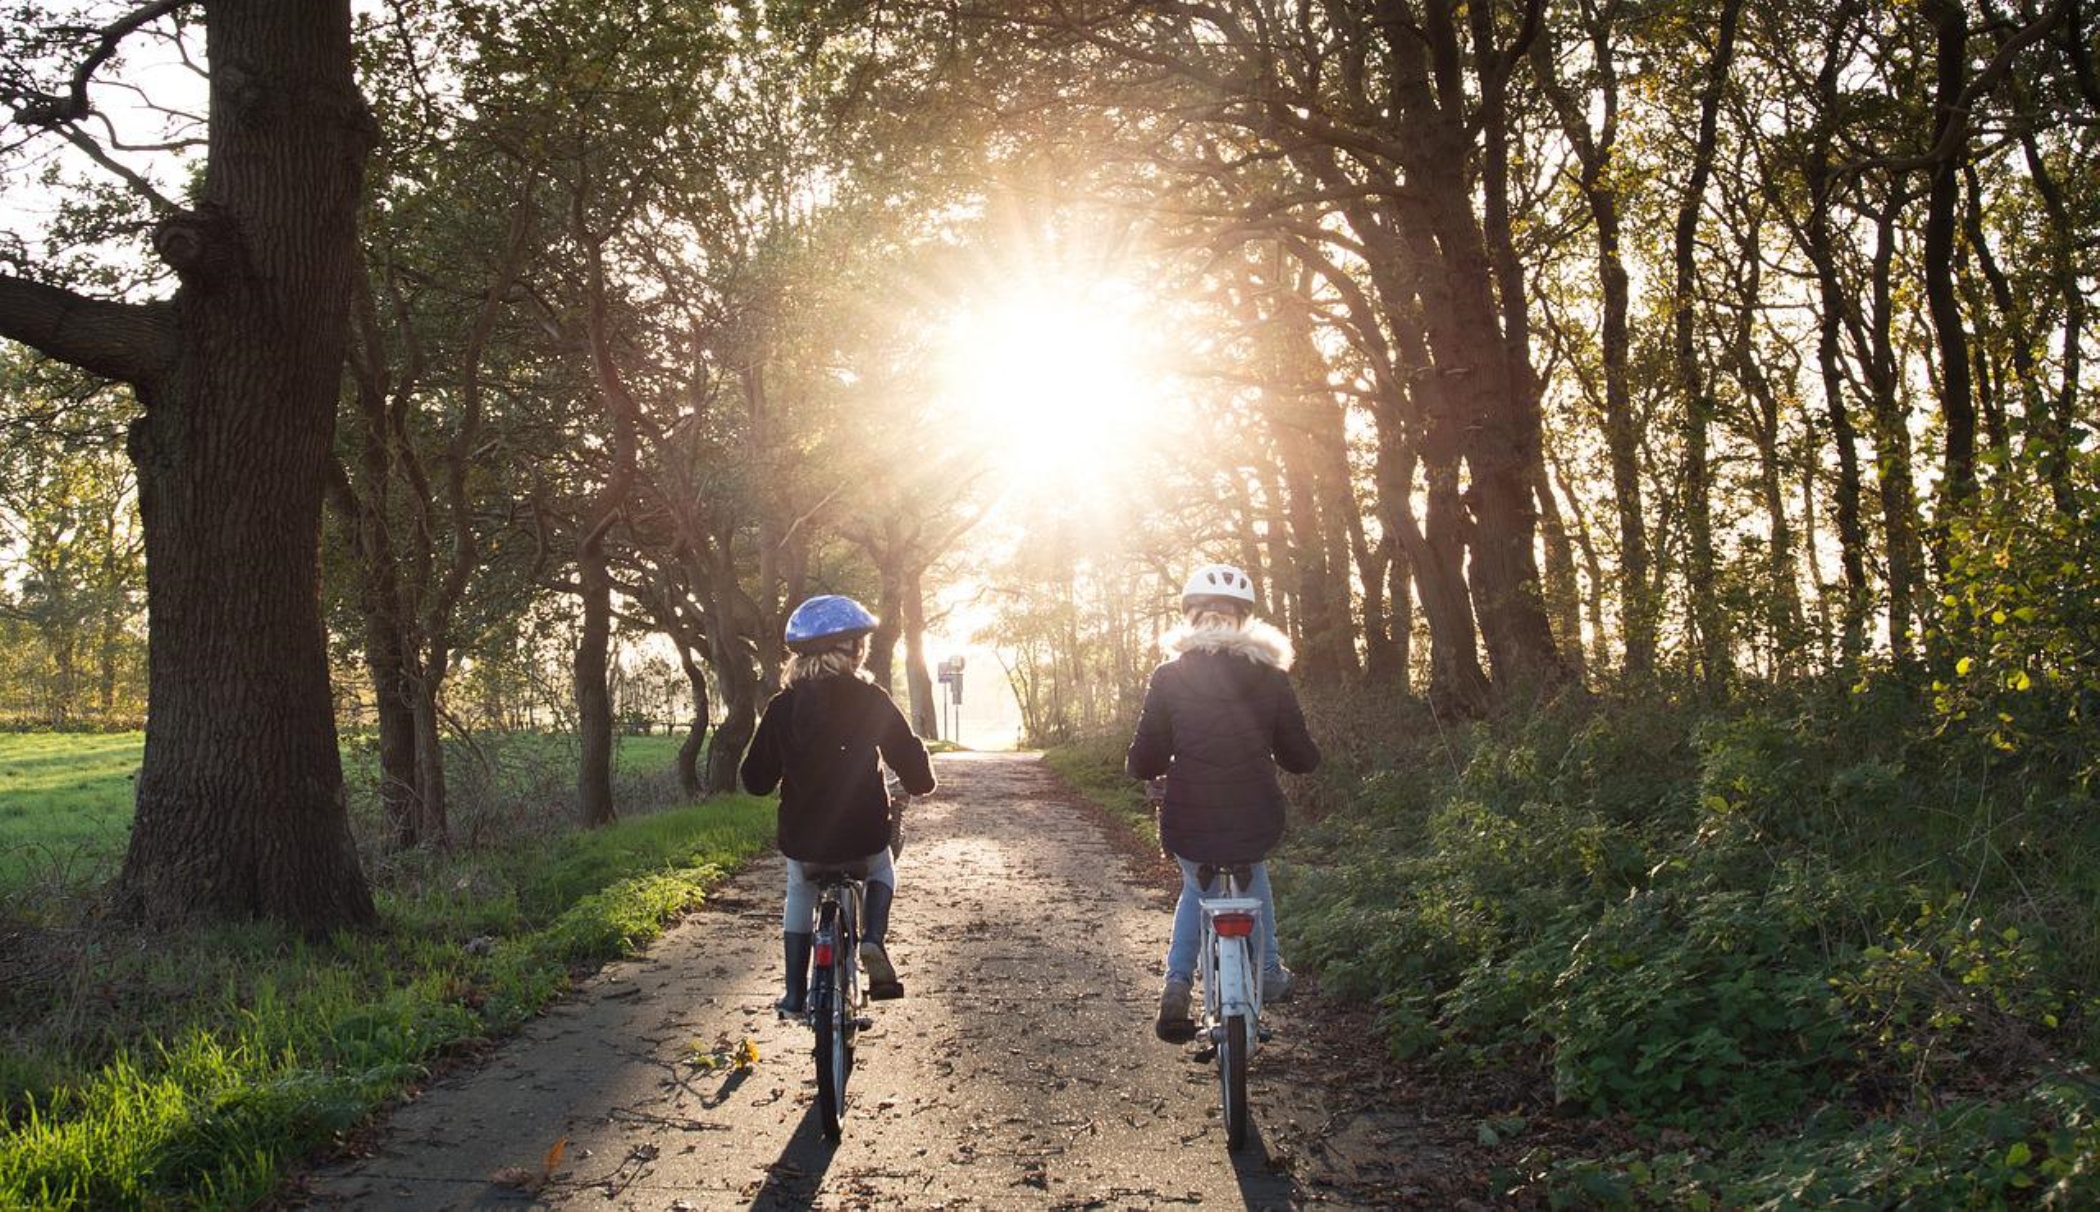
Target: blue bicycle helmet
x,y
827,621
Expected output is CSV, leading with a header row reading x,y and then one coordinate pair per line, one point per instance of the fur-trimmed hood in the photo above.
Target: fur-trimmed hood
x,y
1257,641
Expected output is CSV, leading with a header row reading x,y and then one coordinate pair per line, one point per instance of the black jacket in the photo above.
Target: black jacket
x,y
1218,720
817,742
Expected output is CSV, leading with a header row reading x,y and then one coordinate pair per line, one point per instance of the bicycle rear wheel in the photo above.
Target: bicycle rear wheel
x,y
1232,1079
835,1027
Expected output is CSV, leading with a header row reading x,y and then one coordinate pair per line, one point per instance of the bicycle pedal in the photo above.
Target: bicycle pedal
x,y
1262,1034
1205,1054
884,991
863,1023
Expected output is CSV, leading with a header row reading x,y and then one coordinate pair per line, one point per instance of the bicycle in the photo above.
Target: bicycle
x,y
836,998
1230,965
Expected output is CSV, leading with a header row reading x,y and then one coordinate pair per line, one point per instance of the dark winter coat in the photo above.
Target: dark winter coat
x,y
1218,720
818,741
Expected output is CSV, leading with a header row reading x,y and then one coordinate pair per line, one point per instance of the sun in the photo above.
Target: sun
x,y
1052,382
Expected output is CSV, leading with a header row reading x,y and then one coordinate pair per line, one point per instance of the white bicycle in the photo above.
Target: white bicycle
x,y
1229,962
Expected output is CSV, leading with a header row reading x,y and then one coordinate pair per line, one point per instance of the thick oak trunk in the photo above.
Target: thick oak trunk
x,y
240,797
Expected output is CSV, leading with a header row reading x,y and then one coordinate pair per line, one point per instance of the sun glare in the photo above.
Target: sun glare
x,y
1052,385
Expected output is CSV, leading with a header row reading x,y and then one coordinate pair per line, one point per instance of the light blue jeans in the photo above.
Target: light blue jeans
x,y
799,915
1188,922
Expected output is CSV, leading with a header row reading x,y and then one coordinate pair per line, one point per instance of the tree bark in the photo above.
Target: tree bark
x,y
689,750
1711,640
1949,121
1500,428
240,796
925,710
592,666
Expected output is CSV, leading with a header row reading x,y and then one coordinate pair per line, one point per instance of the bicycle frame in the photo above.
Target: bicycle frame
x,y
1229,958
1230,961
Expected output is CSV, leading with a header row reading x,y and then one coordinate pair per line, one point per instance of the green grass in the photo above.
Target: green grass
x,y
66,798
65,801
1094,767
188,1070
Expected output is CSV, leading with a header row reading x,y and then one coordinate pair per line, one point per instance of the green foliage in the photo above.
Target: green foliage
x,y
187,1070
1716,922
2020,621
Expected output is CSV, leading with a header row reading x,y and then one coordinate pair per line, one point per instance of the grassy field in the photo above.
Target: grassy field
x,y
65,801
65,798
191,1068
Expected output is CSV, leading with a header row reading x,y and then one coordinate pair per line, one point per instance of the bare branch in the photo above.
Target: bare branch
x,y
57,111
160,202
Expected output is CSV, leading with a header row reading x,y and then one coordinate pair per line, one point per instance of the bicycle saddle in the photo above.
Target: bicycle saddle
x,y
1207,873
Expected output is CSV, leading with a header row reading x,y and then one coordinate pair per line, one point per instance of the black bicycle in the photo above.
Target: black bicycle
x,y
833,1008
836,996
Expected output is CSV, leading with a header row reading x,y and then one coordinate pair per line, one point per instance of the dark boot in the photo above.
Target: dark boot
x,y
874,958
796,946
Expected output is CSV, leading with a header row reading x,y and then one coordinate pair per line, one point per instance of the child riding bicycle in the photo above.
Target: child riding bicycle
x,y
819,741
1218,720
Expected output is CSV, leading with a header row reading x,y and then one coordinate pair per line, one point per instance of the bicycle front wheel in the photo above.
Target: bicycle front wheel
x,y
1232,1079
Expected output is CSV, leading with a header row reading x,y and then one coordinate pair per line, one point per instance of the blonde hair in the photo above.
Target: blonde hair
x,y
1211,618
841,661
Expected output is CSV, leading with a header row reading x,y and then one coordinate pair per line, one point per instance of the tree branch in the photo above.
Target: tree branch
x,y
127,341
73,106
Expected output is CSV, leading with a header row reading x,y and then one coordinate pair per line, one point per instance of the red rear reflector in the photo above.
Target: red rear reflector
x,y
1234,925
822,955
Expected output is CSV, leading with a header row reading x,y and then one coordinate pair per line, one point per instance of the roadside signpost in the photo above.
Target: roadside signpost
x,y
950,673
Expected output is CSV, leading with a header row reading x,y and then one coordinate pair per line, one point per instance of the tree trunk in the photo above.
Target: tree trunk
x,y
1498,427
1436,552
1324,635
240,797
1899,510
1710,640
432,829
1596,151
889,620
594,716
594,713
737,675
925,709
696,735
1830,323
1950,24
1563,594
397,728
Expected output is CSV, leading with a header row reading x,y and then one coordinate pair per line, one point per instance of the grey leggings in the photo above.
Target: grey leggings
x,y
800,915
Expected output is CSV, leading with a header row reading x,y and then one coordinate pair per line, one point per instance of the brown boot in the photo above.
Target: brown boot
x,y
1174,1024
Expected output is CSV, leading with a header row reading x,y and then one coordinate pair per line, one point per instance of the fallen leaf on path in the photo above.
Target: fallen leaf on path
x,y
519,1178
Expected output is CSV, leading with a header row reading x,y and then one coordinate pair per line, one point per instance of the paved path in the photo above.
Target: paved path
x,y
1020,1072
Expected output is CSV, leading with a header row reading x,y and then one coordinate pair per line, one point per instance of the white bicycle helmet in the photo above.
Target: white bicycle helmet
x,y
1218,581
